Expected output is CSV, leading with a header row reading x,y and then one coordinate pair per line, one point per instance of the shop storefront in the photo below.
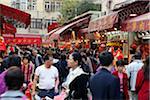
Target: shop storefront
x,y
139,33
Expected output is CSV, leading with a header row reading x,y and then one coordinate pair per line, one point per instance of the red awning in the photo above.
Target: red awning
x,y
56,34
9,29
52,31
85,30
140,23
105,22
52,26
23,39
15,14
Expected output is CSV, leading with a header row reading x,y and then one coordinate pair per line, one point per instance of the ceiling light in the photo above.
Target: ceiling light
x,y
132,15
115,29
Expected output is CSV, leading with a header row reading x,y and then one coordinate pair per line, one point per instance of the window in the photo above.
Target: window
x,y
39,23
58,5
52,6
23,6
47,6
109,4
49,22
15,4
32,4
36,23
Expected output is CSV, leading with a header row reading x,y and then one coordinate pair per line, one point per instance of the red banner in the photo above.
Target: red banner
x,y
23,41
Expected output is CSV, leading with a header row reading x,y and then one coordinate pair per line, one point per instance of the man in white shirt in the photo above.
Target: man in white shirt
x,y
48,79
132,70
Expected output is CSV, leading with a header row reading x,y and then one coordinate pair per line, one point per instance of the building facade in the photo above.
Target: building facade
x,y
43,13
108,5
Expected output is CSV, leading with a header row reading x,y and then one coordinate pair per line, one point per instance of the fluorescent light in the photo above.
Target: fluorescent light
x,y
132,15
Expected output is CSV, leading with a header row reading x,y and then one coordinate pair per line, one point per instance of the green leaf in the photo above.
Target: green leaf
x,y
73,8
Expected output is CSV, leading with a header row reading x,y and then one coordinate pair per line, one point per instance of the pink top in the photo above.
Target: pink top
x,y
121,81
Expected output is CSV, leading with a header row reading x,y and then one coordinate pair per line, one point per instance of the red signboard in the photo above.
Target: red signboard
x,y
23,39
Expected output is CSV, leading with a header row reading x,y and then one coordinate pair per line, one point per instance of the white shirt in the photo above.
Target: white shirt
x,y
72,75
47,76
132,70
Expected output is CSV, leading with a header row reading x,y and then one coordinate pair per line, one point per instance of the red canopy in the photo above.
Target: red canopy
x,y
140,23
9,29
15,14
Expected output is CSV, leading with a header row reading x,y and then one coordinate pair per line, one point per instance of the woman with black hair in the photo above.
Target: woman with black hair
x,y
27,68
143,81
76,82
123,80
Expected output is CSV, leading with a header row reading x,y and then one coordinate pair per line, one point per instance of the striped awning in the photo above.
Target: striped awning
x,y
105,22
140,23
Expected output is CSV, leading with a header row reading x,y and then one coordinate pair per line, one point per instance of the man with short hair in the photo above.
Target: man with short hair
x,y
37,60
48,79
103,85
14,79
12,60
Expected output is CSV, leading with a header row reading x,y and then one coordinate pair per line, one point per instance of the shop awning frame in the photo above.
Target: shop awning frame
x,y
61,30
55,34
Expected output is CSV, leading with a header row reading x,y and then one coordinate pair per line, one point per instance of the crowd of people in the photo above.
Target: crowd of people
x,y
81,74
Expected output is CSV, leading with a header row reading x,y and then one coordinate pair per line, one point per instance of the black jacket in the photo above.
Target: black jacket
x,y
78,88
104,86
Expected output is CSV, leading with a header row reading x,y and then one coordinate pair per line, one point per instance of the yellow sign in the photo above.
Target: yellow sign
x,y
113,44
